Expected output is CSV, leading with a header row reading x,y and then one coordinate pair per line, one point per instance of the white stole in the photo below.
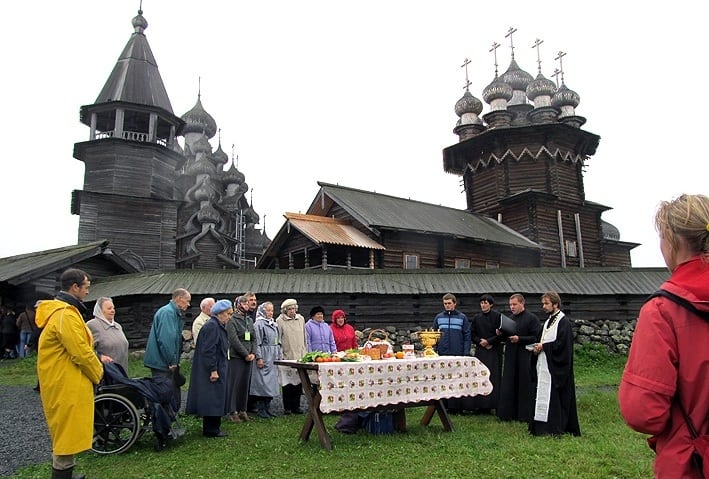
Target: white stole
x,y
541,405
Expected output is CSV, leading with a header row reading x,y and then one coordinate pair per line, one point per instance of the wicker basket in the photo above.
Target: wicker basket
x,y
374,353
383,345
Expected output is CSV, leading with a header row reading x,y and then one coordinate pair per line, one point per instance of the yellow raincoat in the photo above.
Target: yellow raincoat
x,y
67,368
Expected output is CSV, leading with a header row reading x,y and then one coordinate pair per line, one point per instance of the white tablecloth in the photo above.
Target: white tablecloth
x,y
346,386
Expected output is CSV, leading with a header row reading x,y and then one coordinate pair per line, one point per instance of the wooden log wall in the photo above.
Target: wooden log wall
x,y
135,313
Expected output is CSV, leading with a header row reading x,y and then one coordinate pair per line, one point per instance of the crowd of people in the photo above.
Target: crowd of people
x,y
236,345
530,362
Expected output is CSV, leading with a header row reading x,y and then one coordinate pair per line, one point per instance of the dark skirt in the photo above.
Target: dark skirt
x,y
238,384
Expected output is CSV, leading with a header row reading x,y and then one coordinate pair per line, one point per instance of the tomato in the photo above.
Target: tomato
x,y
335,359
320,359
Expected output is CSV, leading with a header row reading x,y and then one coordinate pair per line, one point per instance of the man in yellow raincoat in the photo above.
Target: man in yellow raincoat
x,y
67,368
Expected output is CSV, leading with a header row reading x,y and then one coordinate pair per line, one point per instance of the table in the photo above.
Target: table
x,y
395,383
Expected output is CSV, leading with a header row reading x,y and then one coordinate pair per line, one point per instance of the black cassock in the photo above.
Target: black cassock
x,y
517,391
559,355
484,326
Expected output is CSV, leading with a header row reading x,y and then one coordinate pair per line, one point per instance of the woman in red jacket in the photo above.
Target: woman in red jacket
x,y
344,333
668,365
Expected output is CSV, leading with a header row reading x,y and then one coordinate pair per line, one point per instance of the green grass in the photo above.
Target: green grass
x,y
478,446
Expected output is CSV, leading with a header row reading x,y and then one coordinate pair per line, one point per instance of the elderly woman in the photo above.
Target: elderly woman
x,y
291,326
109,341
242,353
264,379
344,334
207,395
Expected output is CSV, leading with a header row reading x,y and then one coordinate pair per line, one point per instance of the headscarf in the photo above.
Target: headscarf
x,y
98,311
261,312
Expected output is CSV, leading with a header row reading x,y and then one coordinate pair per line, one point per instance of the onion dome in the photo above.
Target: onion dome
x,y
497,94
219,157
201,167
468,107
610,232
207,214
541,87
232,176
139,22
564,97
518,79
202,146
251,216
197,120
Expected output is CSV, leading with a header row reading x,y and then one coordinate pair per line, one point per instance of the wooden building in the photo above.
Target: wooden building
x,y
354,229
160,205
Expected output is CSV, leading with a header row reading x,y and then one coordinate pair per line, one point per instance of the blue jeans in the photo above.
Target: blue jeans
x,y
25,337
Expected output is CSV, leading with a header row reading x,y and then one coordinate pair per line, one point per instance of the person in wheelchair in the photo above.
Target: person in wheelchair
x,y
124,408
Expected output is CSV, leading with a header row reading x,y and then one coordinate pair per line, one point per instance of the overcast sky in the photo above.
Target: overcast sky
x,y
356,93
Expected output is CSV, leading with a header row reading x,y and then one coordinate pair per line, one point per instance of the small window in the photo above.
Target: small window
x,y
571,248
411,261
492,265
462,263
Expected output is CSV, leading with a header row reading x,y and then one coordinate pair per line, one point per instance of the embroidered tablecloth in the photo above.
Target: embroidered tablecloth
x,y
360,385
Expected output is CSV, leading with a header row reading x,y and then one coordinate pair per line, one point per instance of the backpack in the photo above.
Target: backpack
x,y
700,455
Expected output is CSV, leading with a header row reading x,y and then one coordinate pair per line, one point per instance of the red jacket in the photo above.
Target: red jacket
x,y
344,336
669,349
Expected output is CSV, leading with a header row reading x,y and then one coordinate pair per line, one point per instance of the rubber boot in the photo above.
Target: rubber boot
x,y
66,474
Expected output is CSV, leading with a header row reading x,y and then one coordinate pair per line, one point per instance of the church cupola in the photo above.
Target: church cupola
x,y
566,100
468,109
539,91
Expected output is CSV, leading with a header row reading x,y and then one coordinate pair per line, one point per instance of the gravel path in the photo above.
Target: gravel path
x,y
25,439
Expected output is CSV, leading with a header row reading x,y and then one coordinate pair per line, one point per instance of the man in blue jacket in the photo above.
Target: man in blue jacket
x,y
162,353
456,337
456,340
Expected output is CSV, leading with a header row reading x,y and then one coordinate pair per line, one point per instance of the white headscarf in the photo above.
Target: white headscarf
x,y
98,312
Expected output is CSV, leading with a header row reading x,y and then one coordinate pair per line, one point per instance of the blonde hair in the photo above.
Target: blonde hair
x,y
685,217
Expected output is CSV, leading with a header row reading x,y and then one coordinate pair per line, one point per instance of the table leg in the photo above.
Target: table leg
x,y
440,408
314,416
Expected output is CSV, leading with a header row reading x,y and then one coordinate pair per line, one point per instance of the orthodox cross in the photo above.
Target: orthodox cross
x,y
199,87
493,50
465,64
556,76
538,42
220,135
559,57
512,45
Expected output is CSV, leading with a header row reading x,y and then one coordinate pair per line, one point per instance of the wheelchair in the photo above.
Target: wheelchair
x,y
124,409
121,417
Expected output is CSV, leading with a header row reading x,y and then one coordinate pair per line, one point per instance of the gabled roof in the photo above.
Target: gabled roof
x,y
325,230
26,267
378,211
136,78
271,283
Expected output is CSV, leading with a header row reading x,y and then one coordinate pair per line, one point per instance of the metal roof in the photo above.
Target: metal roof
x,y
325,230
596,281
379,211
22,268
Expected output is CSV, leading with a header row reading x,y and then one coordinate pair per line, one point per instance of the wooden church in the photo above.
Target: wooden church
x,y
522,167
161,205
